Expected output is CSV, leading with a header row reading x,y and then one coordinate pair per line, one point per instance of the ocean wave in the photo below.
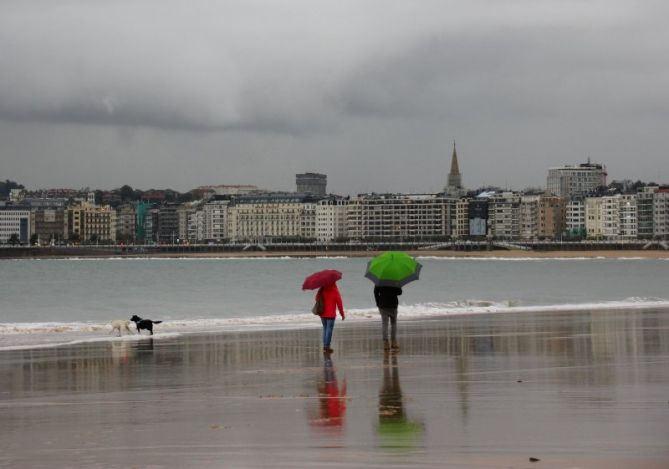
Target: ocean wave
x,y
306,320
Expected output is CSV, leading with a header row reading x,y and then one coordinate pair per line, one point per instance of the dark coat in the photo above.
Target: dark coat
x,y
386,297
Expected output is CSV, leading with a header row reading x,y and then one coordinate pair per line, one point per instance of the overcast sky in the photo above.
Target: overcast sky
x,y
179,94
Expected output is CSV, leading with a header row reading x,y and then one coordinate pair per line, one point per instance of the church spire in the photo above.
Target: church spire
x,y
454,186
455,170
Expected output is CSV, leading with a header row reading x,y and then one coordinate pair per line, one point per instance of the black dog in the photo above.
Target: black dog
x,y
144,324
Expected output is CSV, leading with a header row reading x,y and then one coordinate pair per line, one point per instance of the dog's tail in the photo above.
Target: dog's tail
x,y
157,322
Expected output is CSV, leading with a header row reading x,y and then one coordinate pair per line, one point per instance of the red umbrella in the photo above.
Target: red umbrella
x,y
321,279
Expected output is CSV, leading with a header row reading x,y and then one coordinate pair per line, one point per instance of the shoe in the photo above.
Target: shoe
x,y
327,350
386,345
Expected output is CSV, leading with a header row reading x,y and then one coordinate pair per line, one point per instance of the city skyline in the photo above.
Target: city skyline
x,y
182,94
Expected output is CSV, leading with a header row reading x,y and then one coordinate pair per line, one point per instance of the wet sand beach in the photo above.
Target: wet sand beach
x,y
572,389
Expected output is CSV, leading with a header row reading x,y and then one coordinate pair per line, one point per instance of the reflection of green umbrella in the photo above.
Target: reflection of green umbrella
x,y
393,269
399,433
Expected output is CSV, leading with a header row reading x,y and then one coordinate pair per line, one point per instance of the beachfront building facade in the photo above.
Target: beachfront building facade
x,y
48,225
14,224
611,217
552,212
644,201
504,215
575,219
575,182
331,219
90,223
215,220
195,230
593,217
628,217
400,217
661,213
460,218
529,217
272,217
168,224
126,223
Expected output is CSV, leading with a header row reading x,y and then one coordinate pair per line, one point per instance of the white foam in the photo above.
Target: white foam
x,y
48,334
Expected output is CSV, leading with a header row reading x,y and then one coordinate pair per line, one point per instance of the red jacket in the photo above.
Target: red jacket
x,y
331,301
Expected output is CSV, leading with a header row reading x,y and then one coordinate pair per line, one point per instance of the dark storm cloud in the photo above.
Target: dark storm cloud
x,y
299,65
327,75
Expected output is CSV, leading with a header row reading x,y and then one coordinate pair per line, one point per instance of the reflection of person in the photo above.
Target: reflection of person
x,y
332,399
386,301
331,302
395,429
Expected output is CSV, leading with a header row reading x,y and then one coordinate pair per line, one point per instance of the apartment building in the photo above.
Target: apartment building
x,y
272,217
644,201
575,219
552,211
90,223
574,182
126,223
661,213
529,217
168,224
402,217
593,217
215,220
15,224
504,215
460,218
48,224
611,217
331,219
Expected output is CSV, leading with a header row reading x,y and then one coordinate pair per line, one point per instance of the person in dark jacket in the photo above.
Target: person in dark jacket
x,y
386,301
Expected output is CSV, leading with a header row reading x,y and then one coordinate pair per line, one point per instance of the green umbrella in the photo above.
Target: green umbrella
x,y
393,269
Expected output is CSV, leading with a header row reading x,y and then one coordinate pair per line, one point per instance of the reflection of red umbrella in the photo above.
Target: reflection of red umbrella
x,y
321,279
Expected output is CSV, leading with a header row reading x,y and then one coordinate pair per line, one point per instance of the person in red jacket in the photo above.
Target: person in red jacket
x,y
331,302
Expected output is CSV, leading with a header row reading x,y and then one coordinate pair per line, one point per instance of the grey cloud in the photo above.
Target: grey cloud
x,y
255,90
267,66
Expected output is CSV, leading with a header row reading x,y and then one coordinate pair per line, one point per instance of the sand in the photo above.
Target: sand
x,y
573,389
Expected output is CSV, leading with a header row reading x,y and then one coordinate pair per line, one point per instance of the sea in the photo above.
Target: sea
x,y
50,302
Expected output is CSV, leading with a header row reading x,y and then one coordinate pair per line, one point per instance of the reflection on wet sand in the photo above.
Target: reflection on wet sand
x,y
561,385
331,398
395,429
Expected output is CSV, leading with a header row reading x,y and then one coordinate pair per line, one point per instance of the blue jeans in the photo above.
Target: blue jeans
x,y
328,327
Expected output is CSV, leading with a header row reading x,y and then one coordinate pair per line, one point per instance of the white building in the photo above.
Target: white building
x,y
400,217
629,220
331,219
272,217
460,218
612,217
575,218
571,182
661,213
15,221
